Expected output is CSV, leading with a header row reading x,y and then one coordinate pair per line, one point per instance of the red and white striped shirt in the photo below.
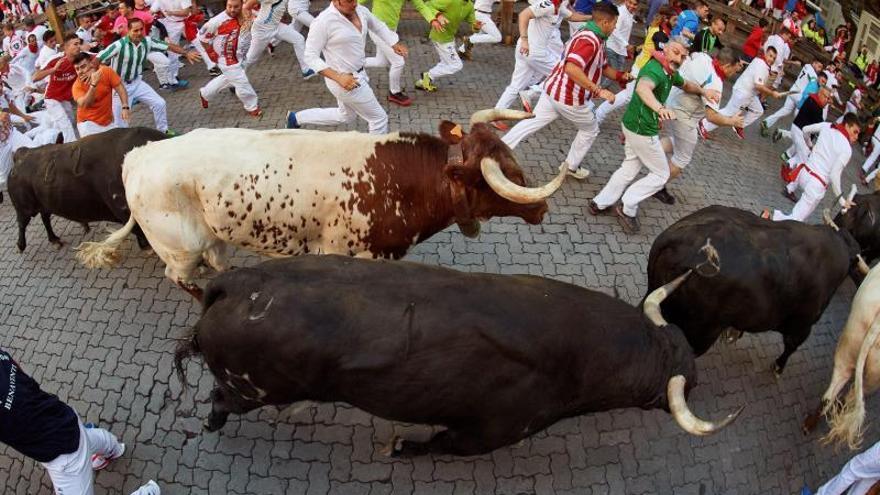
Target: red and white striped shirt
x,y
585,50
222,33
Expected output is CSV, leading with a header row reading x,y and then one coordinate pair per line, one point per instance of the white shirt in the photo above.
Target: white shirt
x,y
39,30
544,32
484,5
26,59
619,38
339,41
856,98
45,56
14,43
269,15
698,69
783,51
756,73
84,34
807,74
222,32
830,153
169,5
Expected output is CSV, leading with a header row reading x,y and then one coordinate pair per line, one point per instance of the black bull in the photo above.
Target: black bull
x,y
492,358
774,276
863,222
80,181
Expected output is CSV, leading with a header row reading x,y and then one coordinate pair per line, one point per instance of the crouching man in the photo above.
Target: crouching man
x,y
40,426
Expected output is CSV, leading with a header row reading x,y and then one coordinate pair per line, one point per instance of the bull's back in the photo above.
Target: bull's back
x,y
361,331
764,267
297,195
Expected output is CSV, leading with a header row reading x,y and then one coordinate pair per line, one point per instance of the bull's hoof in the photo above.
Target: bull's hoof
x,y
394,448
86,228
213,423
21,247
777,371
810,423
1,197
57,242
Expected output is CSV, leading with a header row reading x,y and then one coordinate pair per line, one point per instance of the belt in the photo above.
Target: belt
x,y
803,166
483,11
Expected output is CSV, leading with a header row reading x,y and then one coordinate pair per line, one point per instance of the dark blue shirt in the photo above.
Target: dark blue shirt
x,y
584,6
34,422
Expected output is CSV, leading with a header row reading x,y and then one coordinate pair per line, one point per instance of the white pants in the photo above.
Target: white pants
x,y
872,158
140,91
302,18
546,111
87,128
850,108
489,32
681,134
232,76
161,65
747,103
859,474
639,151
449,63
72,474
620,99
260,39
788,108
209,64
63,118
813,192
15,141
175,33
799,150
358,102
527,70
386,57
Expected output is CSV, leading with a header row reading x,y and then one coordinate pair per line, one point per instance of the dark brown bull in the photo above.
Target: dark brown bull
x,y
492,358
80,181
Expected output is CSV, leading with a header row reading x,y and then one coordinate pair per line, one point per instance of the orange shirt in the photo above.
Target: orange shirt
x,y
101,110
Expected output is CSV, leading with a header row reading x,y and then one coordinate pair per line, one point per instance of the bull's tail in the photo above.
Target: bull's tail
x,y
847,420
186,349
712,265
104,254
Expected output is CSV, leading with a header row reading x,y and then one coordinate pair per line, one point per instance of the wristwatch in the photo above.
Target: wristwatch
x,y
126,108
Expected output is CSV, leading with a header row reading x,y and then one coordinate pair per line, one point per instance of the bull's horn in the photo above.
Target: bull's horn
x,y
505,188
826,217
651,307
683,415
863,266
493,114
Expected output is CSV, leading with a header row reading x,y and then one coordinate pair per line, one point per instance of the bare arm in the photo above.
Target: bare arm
x,y
722,120
525,16
580,78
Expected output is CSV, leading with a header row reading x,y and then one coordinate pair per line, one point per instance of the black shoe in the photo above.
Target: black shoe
x,y
630,224
594,209
789,195
214,72
664,197
777,135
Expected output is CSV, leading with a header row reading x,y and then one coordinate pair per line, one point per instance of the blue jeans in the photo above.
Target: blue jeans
x,y
616,61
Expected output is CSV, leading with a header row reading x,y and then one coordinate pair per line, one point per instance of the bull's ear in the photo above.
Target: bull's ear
x,y
450,132
462,174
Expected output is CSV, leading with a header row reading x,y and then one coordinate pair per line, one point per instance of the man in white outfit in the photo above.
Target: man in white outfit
x,y
59,97
780,42
857,477
538,49
854,104
219,36
573,82
617,48
809,72
745,95
488,34
339,33
175,13
267,26
871,160
827,159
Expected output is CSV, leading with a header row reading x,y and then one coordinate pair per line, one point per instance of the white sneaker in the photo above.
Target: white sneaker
x,y
580,174
150,488
99,462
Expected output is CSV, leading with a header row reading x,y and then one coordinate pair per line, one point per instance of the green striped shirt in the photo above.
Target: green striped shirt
x,y
127,59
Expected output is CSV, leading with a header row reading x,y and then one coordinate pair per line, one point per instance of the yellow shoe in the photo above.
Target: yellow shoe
x,y
425,83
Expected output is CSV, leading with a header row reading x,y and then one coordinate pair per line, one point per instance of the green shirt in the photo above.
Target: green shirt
x,y
127,59
457,11
638,117
388,11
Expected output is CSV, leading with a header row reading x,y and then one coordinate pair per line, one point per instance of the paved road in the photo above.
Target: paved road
x,y
102,340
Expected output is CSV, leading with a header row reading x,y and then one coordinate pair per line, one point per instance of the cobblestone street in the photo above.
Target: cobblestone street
x,y
103,340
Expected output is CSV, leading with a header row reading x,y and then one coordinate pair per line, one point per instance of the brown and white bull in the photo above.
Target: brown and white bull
x,y
290,192
858,358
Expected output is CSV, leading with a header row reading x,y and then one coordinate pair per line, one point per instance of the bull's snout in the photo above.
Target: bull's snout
x,y
535,212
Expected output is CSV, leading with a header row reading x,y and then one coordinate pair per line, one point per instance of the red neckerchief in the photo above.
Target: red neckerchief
x,y
33,47
556,4
666,28
842,129
659,56
718,70
818,99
